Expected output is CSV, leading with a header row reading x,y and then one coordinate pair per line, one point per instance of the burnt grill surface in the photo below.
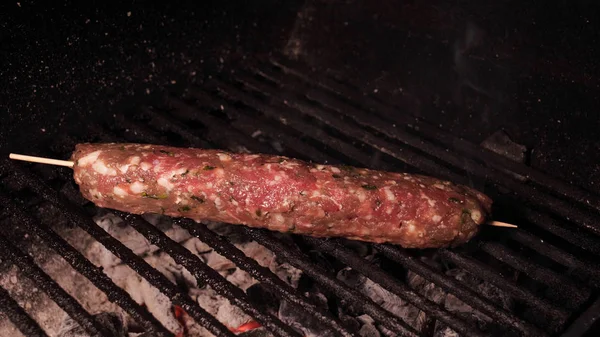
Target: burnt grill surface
x,y
324,118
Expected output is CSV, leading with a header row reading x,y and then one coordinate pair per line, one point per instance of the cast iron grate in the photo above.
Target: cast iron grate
x,y
327,119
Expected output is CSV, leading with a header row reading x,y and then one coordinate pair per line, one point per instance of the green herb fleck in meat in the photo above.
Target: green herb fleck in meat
x,y
208,167
184,208
369,187
168,153
455,200
258,213
281,160
336,176
198,199
231,183
347,168
122,147
465,216
154,196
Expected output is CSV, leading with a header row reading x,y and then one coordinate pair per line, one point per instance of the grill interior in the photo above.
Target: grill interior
x,y
277,106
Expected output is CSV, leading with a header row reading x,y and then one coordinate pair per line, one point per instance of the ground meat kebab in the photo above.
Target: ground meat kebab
x,y
280,194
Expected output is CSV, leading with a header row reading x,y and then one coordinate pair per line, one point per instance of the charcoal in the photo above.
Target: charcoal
x,y
113,324
500,143
262,297
302,321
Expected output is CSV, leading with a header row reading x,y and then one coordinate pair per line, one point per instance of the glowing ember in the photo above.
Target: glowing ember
x,y
245,327
181,317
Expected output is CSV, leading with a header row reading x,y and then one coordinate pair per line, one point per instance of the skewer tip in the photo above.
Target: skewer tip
x,y
501,224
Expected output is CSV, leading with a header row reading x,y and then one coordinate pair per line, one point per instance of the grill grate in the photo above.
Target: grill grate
x,y
86,268
267,278
329,119
203,272
18,316
50,287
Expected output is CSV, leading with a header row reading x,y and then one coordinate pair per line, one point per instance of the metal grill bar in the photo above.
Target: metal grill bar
x,y
342,126
465,294
140,131
244,124
246,81
574,294
151,233
467,300
552,312
387,107
245,99
385,318
70,305
217,131
355,299
488,305
552,204
202,272
164,123
589,268
87,269
27,325
585,321
296,108
533,195
562,230
154,277
294,122
262,274
393,285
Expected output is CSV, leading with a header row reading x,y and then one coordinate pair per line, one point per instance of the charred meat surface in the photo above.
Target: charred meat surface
x,y
280,194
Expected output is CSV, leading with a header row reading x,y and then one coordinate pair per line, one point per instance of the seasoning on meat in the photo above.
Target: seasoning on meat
x,y
280,194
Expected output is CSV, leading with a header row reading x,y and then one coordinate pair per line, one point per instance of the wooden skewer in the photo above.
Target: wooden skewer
x,y
70,164
41,160
501,224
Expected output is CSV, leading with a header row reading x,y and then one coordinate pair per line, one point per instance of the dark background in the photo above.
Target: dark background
x,y
473,67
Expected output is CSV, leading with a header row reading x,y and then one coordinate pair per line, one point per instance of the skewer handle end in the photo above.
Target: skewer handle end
x,y
41,160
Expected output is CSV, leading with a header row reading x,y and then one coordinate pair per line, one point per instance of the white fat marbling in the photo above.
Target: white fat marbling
x,y
90,158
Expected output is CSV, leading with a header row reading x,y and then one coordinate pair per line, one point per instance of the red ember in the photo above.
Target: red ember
x,y
246,327
180,315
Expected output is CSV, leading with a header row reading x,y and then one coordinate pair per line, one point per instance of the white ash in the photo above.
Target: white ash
x,y
303,321
58,323
390,302
114,323
455,305
368,328
34,300
417,318
208,299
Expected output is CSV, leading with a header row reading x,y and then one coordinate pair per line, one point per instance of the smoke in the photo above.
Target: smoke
x,y
463,47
